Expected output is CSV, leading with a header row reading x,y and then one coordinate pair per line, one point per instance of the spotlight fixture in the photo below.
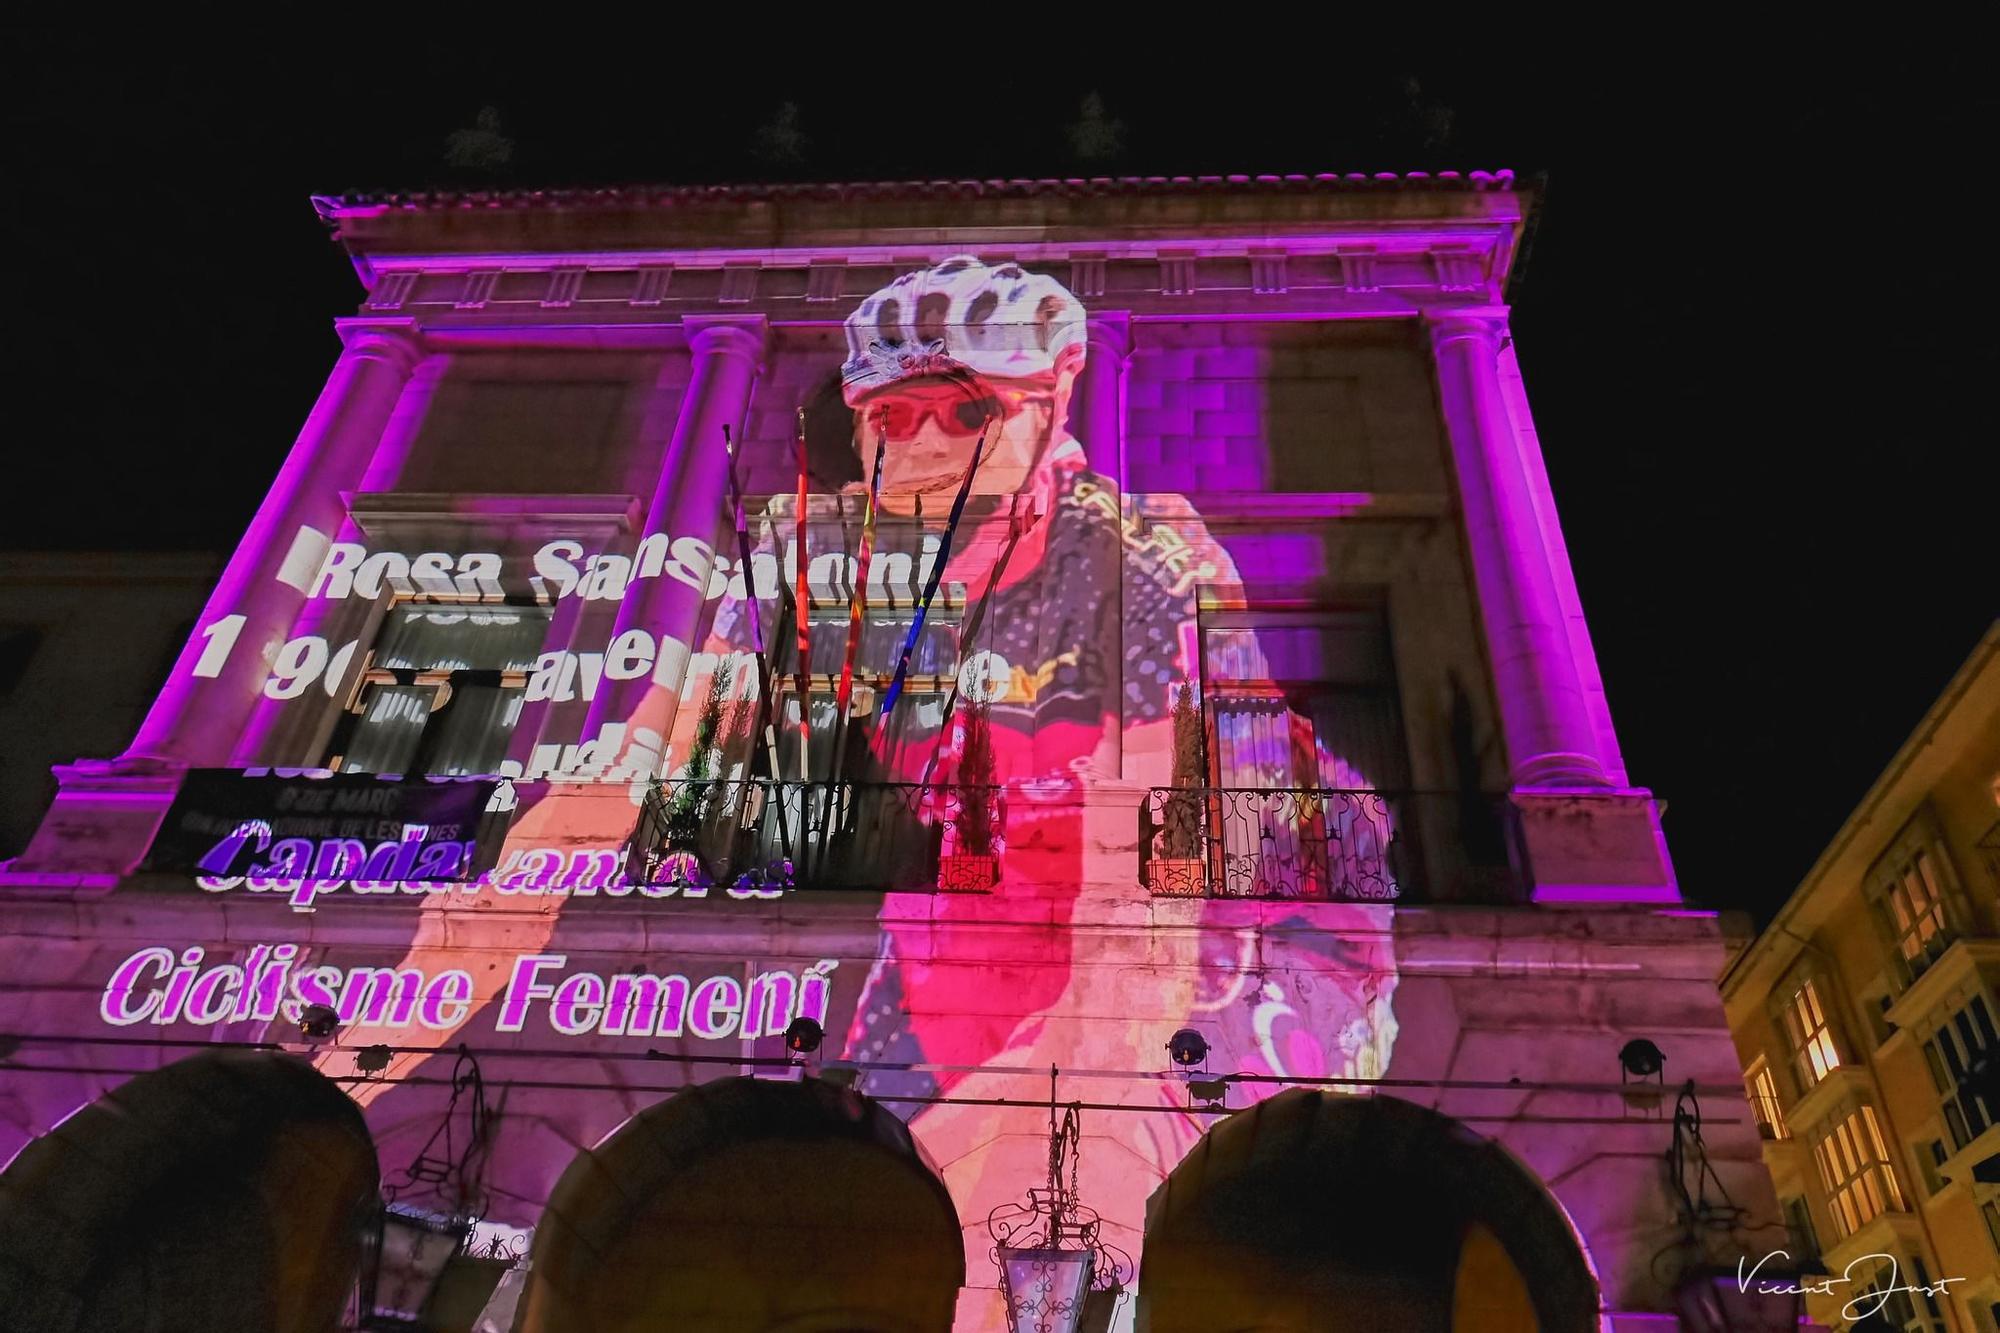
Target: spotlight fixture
x,y
1187,1048
1639,1058
372,1059
804,1036
1210,1093
318,1021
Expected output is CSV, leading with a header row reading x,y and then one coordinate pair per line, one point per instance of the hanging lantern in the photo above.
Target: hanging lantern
x,y
1716,1300
1056,1275
411,1251
420,1275
1044,1288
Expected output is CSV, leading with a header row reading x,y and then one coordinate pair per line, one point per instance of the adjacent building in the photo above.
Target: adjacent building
x,y
86,638
784,754
1866,1018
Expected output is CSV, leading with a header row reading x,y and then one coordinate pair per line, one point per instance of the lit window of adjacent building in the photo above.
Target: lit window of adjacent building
x,y
1813,1052
1854,1167
442,690
1913,904
1964,1059
1899,1296
1764,1102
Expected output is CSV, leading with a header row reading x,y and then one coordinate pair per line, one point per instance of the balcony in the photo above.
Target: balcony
x,y
1330,845
760,837
1965,959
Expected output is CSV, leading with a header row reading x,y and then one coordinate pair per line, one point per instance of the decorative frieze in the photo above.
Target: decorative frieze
x,y
1267,273
739,284
1449,267
564,284
1357,269
652,284
1458,269
1086,275
823,281
1176,275
391,290
478,289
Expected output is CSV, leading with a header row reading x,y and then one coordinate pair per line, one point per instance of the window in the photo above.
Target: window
x,y
1964,1060
1931,1154
442,690
1303,700
1875,1002
1305,724
1989,1212
1764,1101
1989,845
1914,908
1814,1055
900,753
1854,1168
1801,1239
1897,1295
1913,892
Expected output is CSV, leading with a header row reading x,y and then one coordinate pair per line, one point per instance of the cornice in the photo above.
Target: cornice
x,y
1322,277
333,208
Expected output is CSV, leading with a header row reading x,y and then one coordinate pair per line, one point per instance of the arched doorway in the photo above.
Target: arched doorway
x,y
749,1205
229,1190
1316,1212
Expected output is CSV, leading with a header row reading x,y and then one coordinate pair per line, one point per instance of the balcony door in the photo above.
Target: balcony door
x,y
1305,730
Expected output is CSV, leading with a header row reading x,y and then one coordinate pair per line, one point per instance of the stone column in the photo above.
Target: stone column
x,y
220,675
1097,416
690,501
1097,419
1543,712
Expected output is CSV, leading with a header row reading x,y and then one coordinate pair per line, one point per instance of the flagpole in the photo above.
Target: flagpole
x,y
857,603
937,570
802,624
765,693
969,631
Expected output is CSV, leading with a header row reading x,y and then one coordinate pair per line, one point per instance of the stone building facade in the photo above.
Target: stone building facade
x,y
1237,700
1866,1018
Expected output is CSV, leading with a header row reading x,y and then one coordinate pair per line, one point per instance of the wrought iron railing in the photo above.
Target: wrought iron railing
x,y
757,833
1321,843
1770,1116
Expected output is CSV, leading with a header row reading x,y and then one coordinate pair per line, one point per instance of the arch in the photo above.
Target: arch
x,y
1313,1212
749,1204
227,1190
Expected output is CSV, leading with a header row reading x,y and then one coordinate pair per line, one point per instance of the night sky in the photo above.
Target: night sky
x,y
1755,317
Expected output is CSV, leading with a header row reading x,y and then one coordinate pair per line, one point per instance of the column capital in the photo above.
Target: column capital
x,y
744,336
1111,331
395,341
1448,324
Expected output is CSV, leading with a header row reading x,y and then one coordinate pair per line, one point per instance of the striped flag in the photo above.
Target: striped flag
x,y
803,617
857,603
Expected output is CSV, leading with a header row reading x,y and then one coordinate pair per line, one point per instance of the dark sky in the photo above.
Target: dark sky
x,y
1756,318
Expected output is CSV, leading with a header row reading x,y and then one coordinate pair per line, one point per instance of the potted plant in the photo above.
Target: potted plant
x,y
973,864
1175,870
682,846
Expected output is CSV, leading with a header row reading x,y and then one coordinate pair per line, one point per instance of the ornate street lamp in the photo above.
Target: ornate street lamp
x,y
1718,1300
420,1273
1057,1274
1711,1297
